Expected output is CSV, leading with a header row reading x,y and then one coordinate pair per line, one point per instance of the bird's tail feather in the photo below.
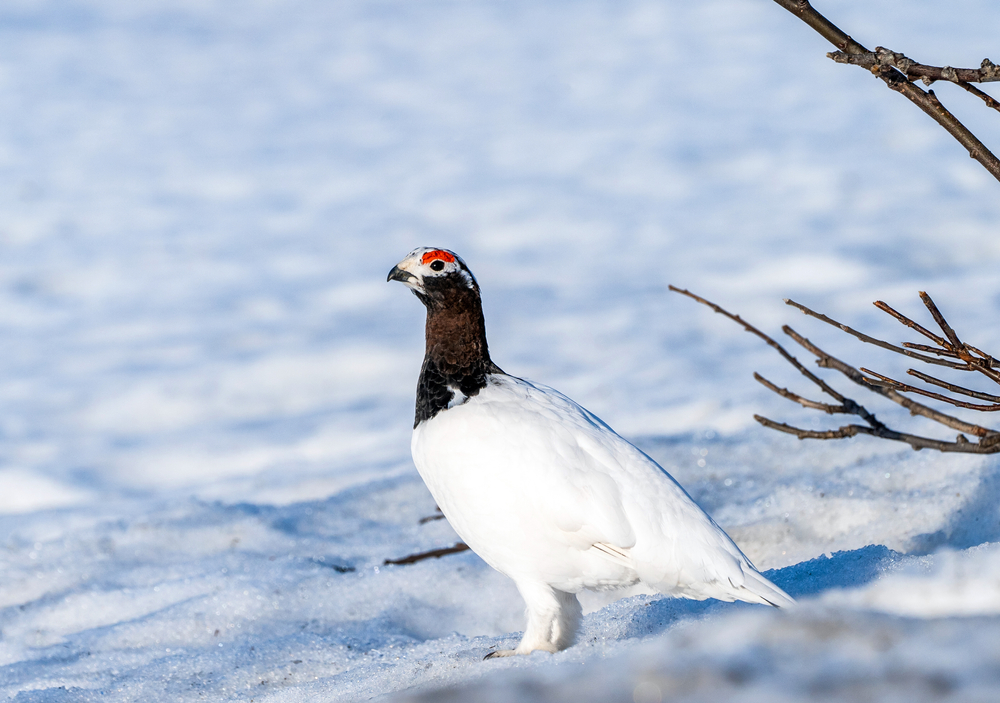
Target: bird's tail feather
x,y
758,589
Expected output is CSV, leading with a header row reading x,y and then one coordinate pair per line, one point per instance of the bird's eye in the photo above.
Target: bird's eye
x,y
437,265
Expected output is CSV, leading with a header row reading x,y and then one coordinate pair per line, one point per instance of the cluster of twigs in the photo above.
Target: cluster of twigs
x,y
898,72
948,351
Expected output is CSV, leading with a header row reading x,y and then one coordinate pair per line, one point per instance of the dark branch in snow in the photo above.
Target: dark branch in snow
x,y
433,554
971,360
438,515
895,71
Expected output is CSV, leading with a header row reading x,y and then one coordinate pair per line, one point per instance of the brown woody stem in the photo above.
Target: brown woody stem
x,y
898,81
432,554
989,440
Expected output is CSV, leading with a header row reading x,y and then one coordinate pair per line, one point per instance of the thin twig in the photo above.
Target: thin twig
x,y
940,341
433,554
963,445
436,515
932,350
907,388
953,387
954,342
796,398
988,99
990,361
827,29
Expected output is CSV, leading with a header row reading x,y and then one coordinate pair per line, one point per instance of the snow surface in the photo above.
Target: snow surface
x,y
206,384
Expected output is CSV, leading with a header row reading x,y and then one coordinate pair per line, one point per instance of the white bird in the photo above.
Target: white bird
x,y
541,488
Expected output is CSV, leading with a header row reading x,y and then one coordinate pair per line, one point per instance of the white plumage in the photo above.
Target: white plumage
x,y
542,489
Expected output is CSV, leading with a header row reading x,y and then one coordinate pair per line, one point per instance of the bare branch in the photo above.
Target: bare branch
x,y
988,99
885,58
840,433
940,341
953,387
992,442
827,29
795,398
436,515
992,363
961,445
989,440
898,81
956,343
932,350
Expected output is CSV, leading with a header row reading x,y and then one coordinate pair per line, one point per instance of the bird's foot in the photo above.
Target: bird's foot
x,y
523,649
496,654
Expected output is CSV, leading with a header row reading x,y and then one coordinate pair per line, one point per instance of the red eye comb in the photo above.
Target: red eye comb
x,y
437,254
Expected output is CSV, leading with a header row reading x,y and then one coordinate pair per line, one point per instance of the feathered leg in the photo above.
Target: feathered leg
x,y
553,618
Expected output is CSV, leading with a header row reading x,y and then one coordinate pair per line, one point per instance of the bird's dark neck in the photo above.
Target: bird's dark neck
x,y
457,358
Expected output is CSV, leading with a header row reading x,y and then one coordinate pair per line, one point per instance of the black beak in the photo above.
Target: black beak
x,y
398,274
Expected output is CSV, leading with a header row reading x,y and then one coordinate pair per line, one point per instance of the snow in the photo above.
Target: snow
x,y
206,385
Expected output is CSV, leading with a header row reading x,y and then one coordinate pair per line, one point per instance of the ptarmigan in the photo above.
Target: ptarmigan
x,y
542,489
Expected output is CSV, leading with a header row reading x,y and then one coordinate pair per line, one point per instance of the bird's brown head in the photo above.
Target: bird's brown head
x,y
437,276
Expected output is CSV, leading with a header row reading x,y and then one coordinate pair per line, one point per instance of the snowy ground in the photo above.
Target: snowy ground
x,y
206,384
